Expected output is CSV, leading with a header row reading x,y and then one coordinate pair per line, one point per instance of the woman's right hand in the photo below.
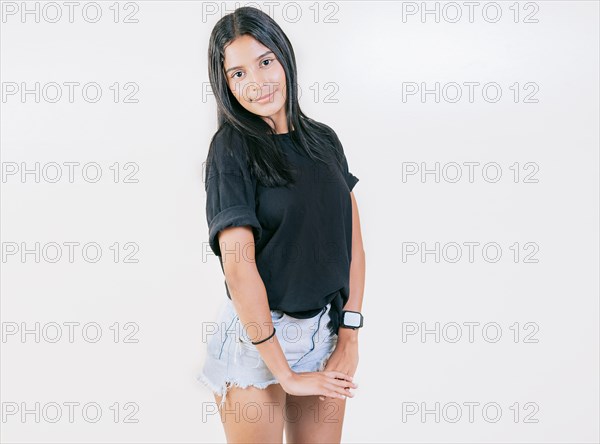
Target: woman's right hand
x,y
326,383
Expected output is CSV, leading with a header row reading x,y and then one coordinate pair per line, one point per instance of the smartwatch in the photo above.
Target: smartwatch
x,y
351,319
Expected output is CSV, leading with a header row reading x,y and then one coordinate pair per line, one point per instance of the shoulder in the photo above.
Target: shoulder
x,y
227,152
325,134
228,135
329,133
335,144
322,129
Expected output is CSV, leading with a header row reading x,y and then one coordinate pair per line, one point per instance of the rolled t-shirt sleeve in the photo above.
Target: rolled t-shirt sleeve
x,y
230,192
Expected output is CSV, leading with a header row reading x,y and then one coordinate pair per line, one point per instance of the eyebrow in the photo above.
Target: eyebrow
x,y
259,57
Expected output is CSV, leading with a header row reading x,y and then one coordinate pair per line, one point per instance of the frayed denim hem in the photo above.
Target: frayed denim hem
x,y
231,382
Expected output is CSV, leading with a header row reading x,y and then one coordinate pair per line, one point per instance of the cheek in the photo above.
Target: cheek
x,y
281,82
234,88
279,77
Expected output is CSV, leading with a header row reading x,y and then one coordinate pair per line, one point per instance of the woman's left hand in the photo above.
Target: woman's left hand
x,y
344,357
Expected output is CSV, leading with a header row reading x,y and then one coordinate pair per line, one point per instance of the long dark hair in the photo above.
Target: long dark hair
x,y
266,162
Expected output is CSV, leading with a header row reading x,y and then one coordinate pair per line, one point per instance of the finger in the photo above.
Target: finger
x,y
351,376
335,395
346,378
340,391
344,383
340,375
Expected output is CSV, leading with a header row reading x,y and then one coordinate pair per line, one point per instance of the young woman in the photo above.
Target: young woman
x,y
284,224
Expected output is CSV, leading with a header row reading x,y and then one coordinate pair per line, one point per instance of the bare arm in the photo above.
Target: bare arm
x,y
249,295
357,274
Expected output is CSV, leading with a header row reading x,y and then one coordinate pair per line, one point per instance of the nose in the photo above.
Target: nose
x,y
257,85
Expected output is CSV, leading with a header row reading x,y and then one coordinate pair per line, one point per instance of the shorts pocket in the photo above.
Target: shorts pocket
x,y
255,330
248,354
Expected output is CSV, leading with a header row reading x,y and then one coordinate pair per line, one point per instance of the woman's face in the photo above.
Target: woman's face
x,y
256,78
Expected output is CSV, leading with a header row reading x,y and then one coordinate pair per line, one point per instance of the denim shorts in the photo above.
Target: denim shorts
x,y
232,359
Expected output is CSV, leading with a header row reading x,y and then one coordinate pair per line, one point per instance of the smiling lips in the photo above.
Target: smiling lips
x,y
264,98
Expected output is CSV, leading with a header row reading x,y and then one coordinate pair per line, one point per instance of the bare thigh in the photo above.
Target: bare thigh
x,y
310,420
251,415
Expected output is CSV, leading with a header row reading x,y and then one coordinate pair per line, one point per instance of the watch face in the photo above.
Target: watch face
x,y
352,319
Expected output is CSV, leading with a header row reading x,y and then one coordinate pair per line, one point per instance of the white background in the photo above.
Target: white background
x,y
369,53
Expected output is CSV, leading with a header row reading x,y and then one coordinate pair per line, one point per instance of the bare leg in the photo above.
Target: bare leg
x,y
310,420
251,415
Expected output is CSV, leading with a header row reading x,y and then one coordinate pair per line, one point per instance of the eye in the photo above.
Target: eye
x,y
267,60
234,74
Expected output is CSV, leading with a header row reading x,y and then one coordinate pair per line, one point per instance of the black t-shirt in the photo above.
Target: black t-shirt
x,y
302,233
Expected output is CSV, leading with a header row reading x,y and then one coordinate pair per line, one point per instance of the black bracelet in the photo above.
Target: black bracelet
x,y
266,339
